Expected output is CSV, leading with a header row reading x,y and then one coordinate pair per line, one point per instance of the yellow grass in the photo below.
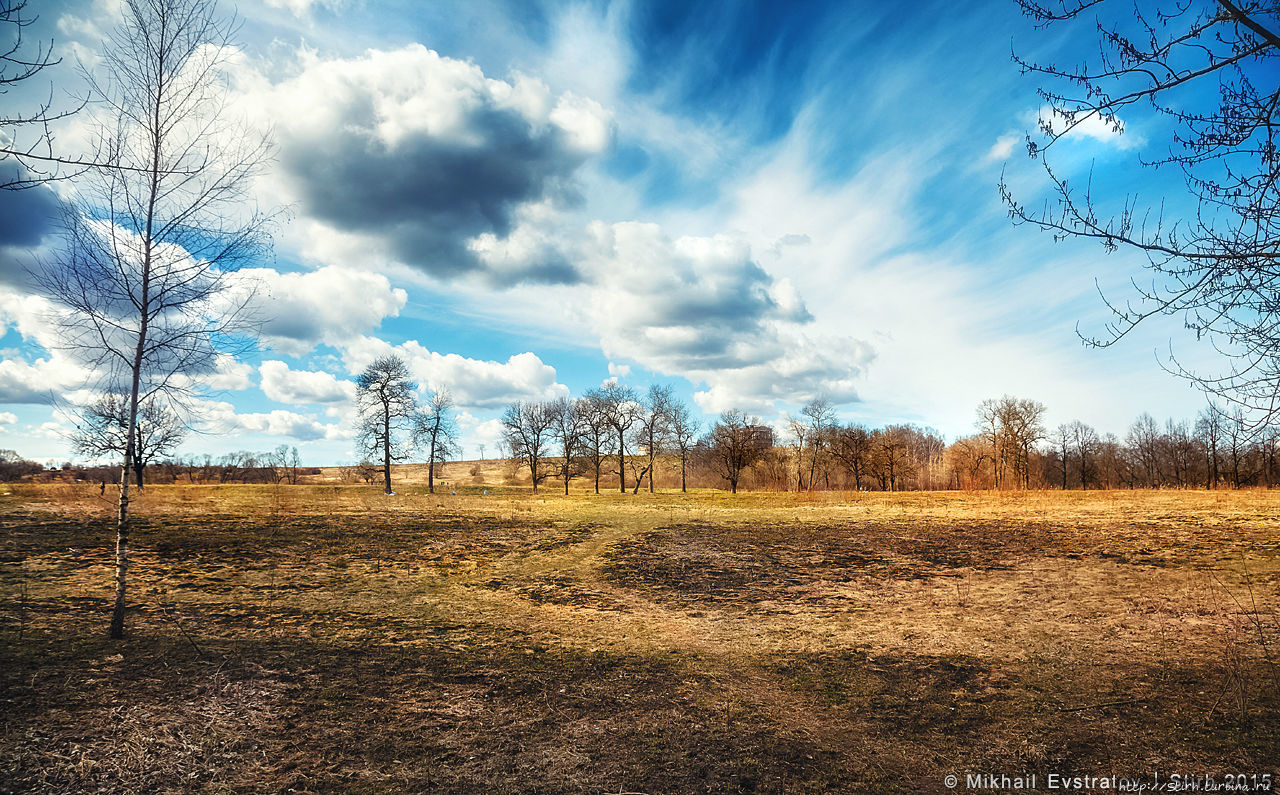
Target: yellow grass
x,y
331,637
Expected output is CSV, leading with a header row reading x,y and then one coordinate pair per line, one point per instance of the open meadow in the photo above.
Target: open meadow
x,y
326,637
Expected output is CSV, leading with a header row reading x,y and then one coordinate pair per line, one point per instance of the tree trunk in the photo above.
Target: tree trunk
x,y
431,468
622,464
682,481
651,466
386,448
137,471
122,516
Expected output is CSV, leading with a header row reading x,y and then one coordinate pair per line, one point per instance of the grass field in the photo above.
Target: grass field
x,y
319,638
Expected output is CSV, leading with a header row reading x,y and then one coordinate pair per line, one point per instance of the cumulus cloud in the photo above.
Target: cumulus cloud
x,y
229,374
27,220
330,305
30,315
475,383
704,309
479,432
8,418
43,378
221,417
284,385
414,155
39,381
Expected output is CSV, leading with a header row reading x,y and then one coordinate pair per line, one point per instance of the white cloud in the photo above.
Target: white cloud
x,y
32,316
283,385
407,156
1002,148
229,374
1091,126
331,305
222,418
474,383
704,309
40,381
620,370
8,418
478,432
50,430
302,7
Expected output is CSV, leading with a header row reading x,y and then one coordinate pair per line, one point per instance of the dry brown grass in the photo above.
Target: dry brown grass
x,y
321,638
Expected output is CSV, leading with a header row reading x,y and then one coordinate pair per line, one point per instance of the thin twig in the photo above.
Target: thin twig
x,y
1122,702
183,630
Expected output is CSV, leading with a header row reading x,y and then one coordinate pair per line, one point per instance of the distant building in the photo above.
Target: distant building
x,y
761,436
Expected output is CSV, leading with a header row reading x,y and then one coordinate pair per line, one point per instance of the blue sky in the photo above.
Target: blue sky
x,y
754,203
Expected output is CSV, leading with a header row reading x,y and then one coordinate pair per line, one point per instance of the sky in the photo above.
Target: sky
x,y
757,203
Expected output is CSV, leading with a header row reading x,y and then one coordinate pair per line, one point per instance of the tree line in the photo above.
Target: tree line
x,y
626,439
616,437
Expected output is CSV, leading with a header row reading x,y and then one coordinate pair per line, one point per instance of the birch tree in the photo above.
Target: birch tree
x,y
160,222
597,435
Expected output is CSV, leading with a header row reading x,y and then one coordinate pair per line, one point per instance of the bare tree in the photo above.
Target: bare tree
x,y
1179,451
26,139
597,434
1144,439
822,416
799,430
284,462
968,456
620,408
529,428
1209,431
156,230
1011,428
734,446
1088,447
684,435
851,446
569,427
435,430
103,426
1215,266
14,466
1061,440
652,429
387,404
